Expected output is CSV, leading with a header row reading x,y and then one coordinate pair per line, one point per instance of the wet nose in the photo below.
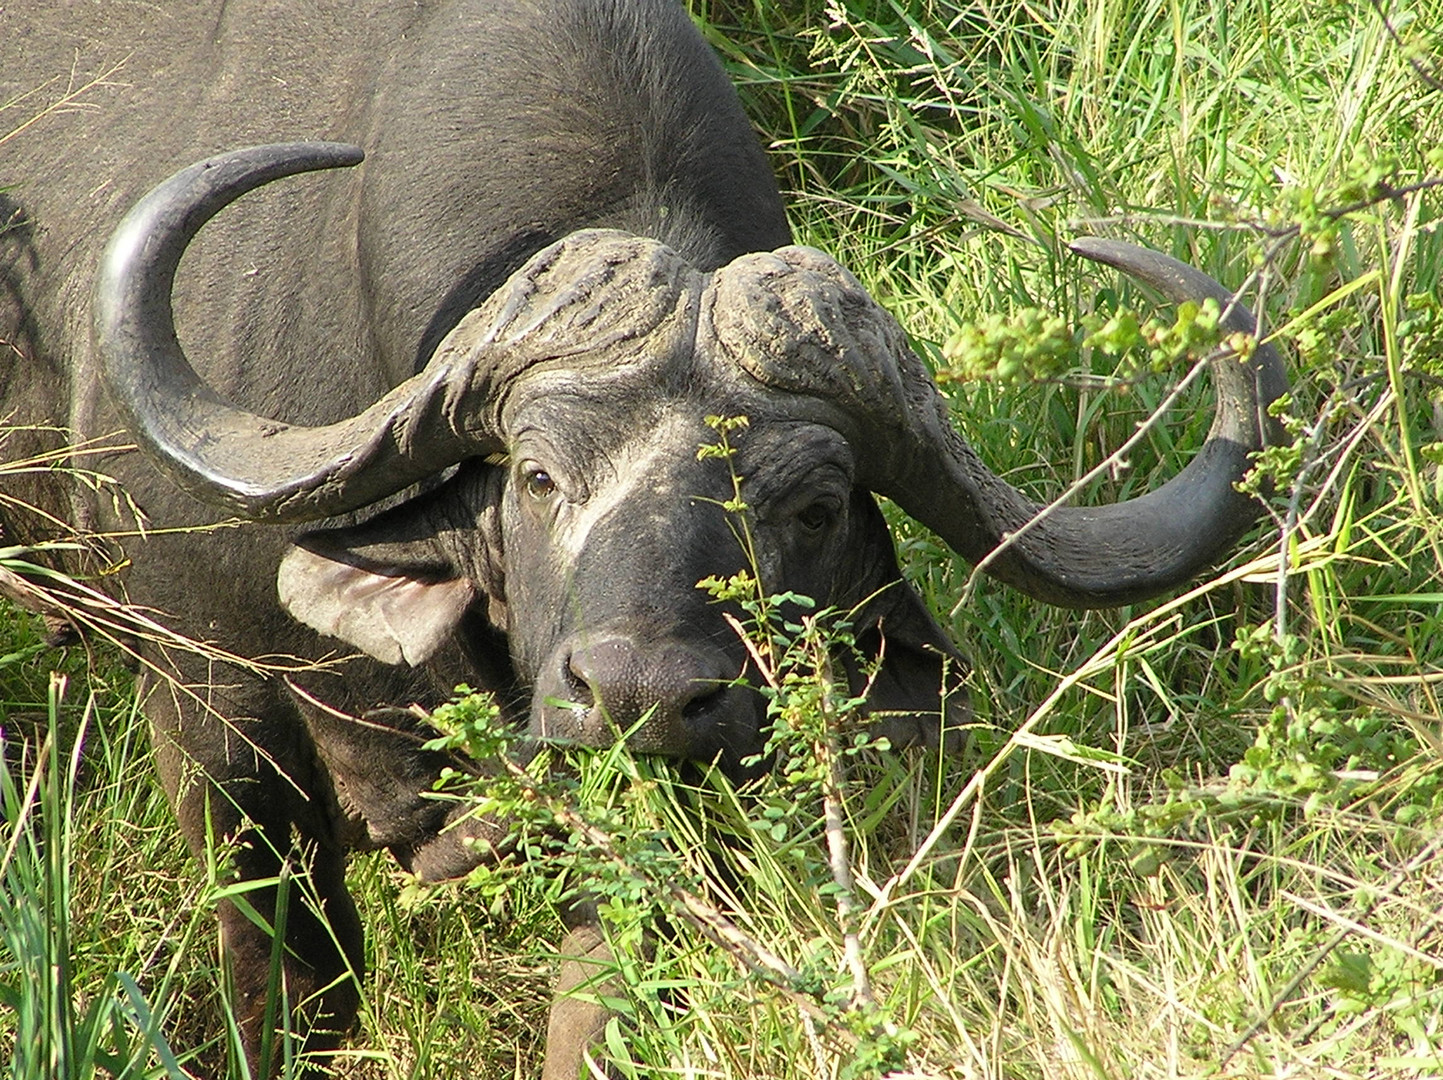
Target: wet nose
x,y
626,682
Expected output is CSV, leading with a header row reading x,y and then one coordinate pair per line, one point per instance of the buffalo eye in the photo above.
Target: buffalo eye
x,y
814,517
538,483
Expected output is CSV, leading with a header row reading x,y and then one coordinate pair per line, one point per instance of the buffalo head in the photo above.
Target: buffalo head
x,y
564,507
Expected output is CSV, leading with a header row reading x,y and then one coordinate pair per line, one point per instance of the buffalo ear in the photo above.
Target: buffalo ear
x,y
388,612
397,585
917,695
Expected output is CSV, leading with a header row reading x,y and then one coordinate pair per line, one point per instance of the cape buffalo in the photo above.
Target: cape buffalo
x,y
483,358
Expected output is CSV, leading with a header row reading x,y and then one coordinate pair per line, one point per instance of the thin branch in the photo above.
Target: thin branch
x,y
1427,77
69,100
834,820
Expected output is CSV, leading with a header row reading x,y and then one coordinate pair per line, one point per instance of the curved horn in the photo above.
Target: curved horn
x,y
798,322
254,466
1129,551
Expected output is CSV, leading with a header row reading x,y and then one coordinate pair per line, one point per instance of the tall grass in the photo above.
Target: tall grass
x,y
87,953
1192,838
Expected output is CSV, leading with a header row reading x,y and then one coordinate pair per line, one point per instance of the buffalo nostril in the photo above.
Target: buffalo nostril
x,y
607,670
704,692
578,685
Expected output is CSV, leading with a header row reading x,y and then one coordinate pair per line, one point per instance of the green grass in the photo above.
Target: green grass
x,y
1191,838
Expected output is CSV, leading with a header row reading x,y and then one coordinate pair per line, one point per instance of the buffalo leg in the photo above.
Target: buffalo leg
x,y
578,1011
249,784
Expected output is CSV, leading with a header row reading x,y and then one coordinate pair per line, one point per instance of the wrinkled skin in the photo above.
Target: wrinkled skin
x,y
553,220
